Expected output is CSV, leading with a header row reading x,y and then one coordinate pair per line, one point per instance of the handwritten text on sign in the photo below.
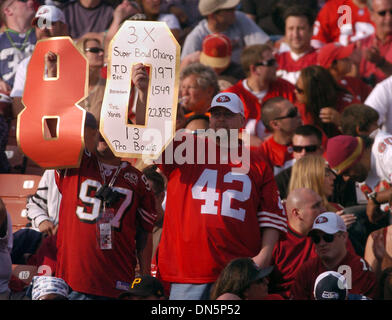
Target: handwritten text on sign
x,y
152,44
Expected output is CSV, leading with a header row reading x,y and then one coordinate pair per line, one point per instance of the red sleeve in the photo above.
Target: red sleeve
x,y
147,213
321,26
271,213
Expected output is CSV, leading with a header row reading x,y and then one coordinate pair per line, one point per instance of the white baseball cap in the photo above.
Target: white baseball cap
x,y
48,14
329,222
229,101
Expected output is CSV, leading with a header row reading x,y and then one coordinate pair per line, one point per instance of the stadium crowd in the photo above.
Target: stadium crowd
x,y
306,87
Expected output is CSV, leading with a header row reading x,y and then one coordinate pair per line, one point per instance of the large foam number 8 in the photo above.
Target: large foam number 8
x,y
152,44
51,102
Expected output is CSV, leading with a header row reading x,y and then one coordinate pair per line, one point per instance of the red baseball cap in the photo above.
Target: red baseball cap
x,y
333,51
216,52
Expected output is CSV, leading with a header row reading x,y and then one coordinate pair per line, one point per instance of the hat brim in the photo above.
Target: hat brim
x,y
229,4
215,62
345,51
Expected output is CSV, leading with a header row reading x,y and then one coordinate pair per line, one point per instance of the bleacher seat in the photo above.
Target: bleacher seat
x,y
18,185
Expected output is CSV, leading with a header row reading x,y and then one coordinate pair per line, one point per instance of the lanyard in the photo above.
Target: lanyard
x,y
24,42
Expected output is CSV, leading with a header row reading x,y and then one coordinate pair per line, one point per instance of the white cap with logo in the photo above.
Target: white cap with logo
x,y
329,222
229,101
48,14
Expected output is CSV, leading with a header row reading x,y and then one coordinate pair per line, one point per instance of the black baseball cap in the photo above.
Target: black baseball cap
x,y
144,286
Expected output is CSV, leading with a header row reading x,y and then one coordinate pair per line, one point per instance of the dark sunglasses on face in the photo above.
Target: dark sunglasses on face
x,y
311,148
94,49
326,237
269,63
299,90
384,12
291,114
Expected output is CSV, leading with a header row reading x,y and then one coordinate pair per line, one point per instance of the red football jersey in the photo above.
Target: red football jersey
x,y
360,279
289,68
214,215
80,261
367,68
288,256
341,21
278,156
359,89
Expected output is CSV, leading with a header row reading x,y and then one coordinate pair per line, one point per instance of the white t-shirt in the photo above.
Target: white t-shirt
x,y
381,158
380,99
5,257
171,20
20,78
243,32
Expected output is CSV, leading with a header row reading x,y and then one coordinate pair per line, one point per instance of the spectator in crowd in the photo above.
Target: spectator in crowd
x,y
281,118
84,16
337,59
186,11
241,279
152,10
221,16
198,84
144,288
342,21
216,53
49,288
300,54
354,157
17,41
329,234
376,61
251,235
270,16
380,100
55,26
321,99
359,120
197,121
302,207
331,285
5,251
306,140
260,85
94,52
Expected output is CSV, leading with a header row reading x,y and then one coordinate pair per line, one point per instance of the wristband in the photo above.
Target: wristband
x,y
372,196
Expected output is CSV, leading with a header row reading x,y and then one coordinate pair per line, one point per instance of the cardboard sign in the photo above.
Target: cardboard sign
x,y
152,44
50,127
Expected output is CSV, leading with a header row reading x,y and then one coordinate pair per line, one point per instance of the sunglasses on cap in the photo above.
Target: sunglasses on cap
x,y
311,148
94,50
326,237
291,114
269,63
299,90
384,12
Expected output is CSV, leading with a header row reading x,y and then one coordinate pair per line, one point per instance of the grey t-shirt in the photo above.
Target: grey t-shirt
x,y
81,20
243,32
5,257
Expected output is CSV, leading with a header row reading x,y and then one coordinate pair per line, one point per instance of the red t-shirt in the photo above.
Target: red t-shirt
x,y
367,68
278,156
342,21
363,281
80,261
214,215
289,68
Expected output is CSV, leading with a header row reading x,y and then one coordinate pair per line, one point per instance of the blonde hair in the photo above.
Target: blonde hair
x,y
309,172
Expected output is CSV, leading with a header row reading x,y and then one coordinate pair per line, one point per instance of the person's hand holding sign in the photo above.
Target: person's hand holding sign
x,y
140,80
51,64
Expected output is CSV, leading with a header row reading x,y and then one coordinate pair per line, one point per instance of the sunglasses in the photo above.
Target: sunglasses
x,y
269,63
384,12
291,114
299,90
94,50
326,237
311,148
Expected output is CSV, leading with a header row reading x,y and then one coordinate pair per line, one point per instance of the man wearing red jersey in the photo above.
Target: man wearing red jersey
x,y
330,237
106,214
342,21
302,206
215,212
298,32
376,61
281,118
260,85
